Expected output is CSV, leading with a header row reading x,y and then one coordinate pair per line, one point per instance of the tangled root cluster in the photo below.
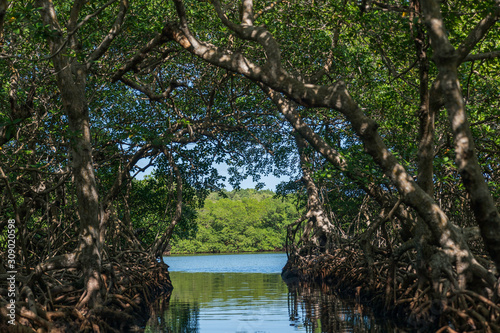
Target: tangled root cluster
x,y
395,289
49,304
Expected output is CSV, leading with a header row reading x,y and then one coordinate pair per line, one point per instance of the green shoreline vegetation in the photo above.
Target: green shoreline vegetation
x,y
245,220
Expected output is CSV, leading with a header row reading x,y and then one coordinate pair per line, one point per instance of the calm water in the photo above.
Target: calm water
x,y
245,293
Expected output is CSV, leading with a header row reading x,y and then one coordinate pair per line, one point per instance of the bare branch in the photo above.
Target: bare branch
x,y
444,51
74,13
158,40
249,32
482,56
337,97
49,17
247,12
73,27
113,192
291,115
315,77
151,95
478,33
61,182
161,243
89,16
115,29
447,82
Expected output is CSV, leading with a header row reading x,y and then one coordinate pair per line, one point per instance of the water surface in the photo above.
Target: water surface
x,y
245,293
268,263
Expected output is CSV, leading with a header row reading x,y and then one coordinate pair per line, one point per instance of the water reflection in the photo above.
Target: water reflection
x,y
251,302
224,302
317,309
244,293
174,316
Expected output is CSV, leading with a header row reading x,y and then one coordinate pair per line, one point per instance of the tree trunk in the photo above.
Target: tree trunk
x,y
318,231
447,60
161,243
426,114
289,111
71,80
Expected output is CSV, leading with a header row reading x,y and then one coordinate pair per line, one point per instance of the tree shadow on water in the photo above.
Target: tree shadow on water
x,y
174,316
317,308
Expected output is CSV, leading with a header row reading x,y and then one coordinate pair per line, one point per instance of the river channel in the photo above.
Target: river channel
x,y
245,293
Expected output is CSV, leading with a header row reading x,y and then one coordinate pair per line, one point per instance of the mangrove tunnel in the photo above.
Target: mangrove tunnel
x,y
383,117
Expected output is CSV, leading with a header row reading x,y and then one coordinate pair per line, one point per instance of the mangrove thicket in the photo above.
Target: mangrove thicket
x,y
384,114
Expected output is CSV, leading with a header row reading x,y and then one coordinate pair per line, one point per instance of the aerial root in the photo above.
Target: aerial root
x,y
129,289
437,306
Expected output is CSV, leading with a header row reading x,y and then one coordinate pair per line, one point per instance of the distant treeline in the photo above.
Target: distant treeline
x,y
239,221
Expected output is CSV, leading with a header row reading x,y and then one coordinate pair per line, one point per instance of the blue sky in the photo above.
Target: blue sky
x,y
270,181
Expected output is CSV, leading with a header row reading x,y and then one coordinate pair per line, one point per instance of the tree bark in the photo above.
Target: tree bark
x,y
4,4
318,231
426,114
71,81
447,59
386,201
71,76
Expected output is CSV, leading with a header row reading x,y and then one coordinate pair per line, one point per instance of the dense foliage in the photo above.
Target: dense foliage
x,y
385,114
240,221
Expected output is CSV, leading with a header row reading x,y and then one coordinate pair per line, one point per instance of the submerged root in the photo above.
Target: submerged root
x,y
435,304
